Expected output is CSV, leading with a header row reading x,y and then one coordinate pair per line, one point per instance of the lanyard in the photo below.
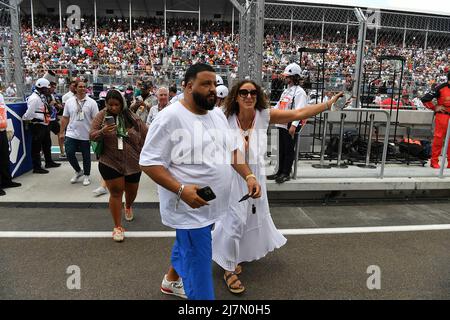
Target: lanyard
x,y
79,105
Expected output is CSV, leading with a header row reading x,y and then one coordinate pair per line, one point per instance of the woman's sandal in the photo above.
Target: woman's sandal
x,y
238,269
229,283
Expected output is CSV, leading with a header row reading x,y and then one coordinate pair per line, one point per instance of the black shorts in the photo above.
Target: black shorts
x,y
109,173
54,127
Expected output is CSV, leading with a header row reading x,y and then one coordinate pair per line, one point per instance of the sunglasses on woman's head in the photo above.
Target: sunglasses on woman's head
x,y
243,93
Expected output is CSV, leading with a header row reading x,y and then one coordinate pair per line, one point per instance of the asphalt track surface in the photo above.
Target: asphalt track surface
x,y
412,264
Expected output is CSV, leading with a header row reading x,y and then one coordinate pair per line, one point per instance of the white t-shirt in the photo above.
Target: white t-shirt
x,y
67,96
182,142
79,128
285,102
152,114
177,98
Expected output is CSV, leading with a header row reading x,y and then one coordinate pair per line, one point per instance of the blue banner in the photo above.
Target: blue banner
x,y
20,145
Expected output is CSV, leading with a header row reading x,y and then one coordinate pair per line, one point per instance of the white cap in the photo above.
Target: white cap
x,y
292,69
219,80
222,91
42,83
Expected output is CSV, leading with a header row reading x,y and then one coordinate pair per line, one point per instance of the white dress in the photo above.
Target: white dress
x,y
241,236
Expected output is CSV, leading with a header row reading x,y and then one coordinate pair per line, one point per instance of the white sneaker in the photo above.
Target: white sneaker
x,y
174,288
118,234
129,216
76,177
86,181
100,191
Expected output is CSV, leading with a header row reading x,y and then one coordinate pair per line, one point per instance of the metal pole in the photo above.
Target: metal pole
x,y
232,24
8,75
292,24
296,148
258,42
341,142
322,164
199,17
404,34
346,35
444,152
376,36
130,19
165,19
369,146
323,28
32,16
95,18
360,57
15,34
60,18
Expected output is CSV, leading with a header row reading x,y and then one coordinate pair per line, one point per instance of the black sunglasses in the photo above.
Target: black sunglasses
x,y
243,93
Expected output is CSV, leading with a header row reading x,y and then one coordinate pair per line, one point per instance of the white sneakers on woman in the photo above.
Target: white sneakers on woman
x,y
118,234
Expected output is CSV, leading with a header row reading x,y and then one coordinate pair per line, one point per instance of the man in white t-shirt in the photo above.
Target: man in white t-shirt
x,y
178,155
180,96
79,112
71,93
294,97
163,100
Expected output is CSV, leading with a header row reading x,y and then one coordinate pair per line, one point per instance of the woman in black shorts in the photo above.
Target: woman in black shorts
x,y
119,161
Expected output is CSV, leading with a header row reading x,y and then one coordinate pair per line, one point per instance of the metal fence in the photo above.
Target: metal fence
x,y
11,67
421,39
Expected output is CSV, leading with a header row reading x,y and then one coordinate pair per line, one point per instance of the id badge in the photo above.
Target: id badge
x,y
81,116
120,143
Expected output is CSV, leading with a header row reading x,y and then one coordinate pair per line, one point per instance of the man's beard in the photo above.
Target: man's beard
x,y
203,101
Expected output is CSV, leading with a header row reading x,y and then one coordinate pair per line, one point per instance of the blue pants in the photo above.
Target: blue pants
x,y
72,146
192,260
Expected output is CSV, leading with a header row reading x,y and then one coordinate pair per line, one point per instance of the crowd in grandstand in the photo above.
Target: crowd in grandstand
x,y
112,53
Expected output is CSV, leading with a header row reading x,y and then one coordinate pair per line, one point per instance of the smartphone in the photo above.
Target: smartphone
x,y
109,120
206,194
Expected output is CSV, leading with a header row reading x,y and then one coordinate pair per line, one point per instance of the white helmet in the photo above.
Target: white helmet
x,y
42,83
292,70
219,80
222,91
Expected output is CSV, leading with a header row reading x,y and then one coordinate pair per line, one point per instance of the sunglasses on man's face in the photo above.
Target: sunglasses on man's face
x,y
243,93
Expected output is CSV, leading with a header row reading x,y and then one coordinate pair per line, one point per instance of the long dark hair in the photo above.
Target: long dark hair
x,y
232,106
128,117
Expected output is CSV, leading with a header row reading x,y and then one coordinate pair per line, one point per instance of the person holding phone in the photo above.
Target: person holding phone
x,y
189,153
247,232
123,134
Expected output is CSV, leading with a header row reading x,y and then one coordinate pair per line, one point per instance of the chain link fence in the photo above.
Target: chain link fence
x,y
11,67
424,41
6,52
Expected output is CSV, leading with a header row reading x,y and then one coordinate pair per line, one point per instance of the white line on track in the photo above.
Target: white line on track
x,y
171,234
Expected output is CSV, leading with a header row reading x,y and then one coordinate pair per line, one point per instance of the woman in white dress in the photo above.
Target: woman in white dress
x,y
247,232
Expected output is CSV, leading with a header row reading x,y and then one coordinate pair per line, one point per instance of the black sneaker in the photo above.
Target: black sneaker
x,y
52,165
283,178
40,171
2,192
11,184
272,176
